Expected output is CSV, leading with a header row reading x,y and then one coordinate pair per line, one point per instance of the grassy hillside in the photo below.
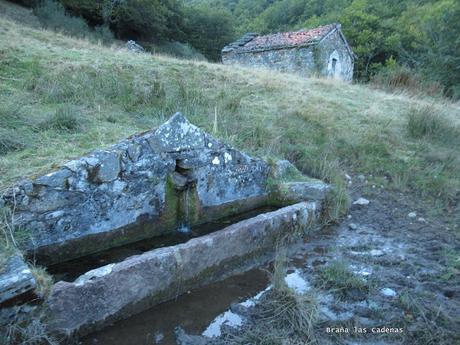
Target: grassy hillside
x,y
61,98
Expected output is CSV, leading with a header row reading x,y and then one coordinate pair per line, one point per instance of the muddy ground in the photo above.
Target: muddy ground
x,y
409,260
404,256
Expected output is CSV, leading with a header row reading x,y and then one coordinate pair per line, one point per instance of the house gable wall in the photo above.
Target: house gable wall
x,y
332,48
303,60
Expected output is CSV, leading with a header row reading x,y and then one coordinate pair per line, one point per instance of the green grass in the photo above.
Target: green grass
x,y
325,127
338,277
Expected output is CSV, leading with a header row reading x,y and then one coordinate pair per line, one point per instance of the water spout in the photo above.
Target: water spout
x,y
184,222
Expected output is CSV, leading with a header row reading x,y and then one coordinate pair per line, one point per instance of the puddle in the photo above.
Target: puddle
x,y
194,312
295,281
71,270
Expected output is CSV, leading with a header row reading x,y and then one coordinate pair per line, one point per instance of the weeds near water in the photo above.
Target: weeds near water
x,y
284,314
29,329
44,281
286,309
338,276
337,200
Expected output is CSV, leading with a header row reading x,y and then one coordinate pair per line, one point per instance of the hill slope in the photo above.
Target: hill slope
x,y
62,97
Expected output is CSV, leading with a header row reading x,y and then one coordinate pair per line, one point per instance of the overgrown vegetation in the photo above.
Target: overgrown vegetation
x,y
29,329
52,15
427,122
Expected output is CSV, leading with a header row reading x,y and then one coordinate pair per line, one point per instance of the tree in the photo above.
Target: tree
x,y
209,29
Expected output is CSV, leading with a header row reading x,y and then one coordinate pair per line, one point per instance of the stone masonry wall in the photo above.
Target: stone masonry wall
x,y
91,203
303,60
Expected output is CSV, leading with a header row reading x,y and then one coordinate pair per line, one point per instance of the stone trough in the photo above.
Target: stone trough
x,y
159,183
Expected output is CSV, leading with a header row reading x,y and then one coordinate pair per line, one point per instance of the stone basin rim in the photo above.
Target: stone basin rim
x,y
113,267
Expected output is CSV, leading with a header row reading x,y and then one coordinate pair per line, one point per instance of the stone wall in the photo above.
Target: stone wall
x,y
333,47
297,59
134,190
302,60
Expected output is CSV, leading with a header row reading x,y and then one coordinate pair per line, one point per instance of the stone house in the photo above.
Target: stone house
x,y
322,51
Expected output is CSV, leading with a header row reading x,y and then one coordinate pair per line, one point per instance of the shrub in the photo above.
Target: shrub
x,y
177,49
103,33
53,16
65,119
396,77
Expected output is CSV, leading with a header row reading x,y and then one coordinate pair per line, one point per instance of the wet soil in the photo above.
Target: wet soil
x,y
409,259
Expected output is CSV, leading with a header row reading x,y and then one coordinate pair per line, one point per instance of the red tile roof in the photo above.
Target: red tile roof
x,y
282,39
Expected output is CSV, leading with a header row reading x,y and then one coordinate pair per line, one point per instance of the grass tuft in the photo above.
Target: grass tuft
x,y
67,118
11,141
287,309
338,276
428,122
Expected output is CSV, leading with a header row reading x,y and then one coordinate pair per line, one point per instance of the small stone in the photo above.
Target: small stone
x,y
421,220
348,177
108,168
159,337
387,292
412,215
179,181
377,252
353,226
16,279
57,179
28,187
361,178
134,47
361,202
349,216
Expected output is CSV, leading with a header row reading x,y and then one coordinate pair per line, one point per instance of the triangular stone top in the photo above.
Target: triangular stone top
x,y
178,134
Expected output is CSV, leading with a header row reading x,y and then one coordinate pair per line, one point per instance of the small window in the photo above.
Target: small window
x,y
334,63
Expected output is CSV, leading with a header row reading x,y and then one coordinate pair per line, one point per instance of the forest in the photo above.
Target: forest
x,y
411,43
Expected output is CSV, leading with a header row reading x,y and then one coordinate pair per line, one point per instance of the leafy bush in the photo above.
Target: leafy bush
x,y
147,19
52,15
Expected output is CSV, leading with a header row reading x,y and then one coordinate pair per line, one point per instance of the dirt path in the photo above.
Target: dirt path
x,y
410,263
